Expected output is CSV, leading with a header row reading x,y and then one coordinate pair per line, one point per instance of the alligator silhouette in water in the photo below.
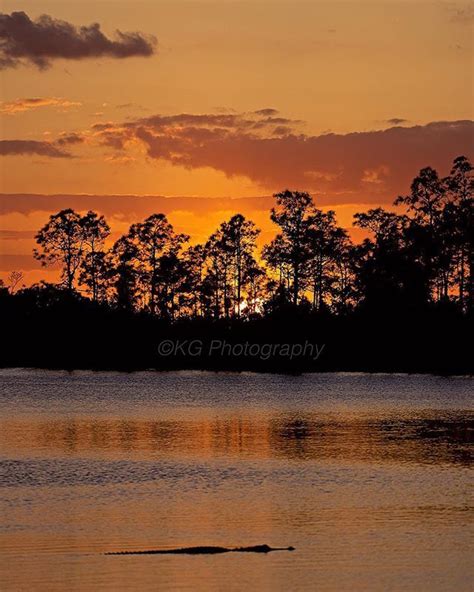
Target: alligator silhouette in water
x,y
204,550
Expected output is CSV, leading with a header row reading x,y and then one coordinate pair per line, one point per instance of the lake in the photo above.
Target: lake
x,y
367,476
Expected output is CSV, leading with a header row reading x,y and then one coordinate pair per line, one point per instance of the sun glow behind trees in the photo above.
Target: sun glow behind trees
x,y
413,258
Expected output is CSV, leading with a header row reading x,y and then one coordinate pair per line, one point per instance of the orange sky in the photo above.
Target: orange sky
x,y
345,99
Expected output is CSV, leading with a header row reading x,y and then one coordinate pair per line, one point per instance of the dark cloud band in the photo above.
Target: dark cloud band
x,y
31,147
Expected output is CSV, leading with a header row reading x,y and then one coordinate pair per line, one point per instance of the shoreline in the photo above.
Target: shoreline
x,y
233,371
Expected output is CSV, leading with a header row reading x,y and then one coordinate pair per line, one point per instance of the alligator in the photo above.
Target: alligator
x,y
204,550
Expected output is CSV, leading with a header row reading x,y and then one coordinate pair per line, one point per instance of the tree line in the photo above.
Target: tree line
x,y
414,258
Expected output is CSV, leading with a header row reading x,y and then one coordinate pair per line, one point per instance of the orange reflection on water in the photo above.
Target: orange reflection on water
x,y
309,436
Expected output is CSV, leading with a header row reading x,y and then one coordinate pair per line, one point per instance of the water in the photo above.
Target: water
x,y
367,476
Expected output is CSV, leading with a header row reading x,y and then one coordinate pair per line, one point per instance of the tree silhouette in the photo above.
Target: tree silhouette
x,y
441,229
426,198
425,202
218,273
326,246
97,273
197,301
93,273
61,241
153,239
124,273
237,241
409,260
459,222
14,279
401,300
387,276
276,257
293,216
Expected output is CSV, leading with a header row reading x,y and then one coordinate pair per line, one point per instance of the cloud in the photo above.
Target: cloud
x,y
215,123
42,148
39,42
28,147
373,166
120,159
174,137
66,139
134,106
22,105
267,112
271,152
396,121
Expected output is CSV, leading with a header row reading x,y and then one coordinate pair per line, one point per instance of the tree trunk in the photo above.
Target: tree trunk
x,y
239,287
296,286
69,273
461,280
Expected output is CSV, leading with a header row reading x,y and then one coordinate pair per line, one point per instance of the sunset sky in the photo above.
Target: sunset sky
x,y
217,105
